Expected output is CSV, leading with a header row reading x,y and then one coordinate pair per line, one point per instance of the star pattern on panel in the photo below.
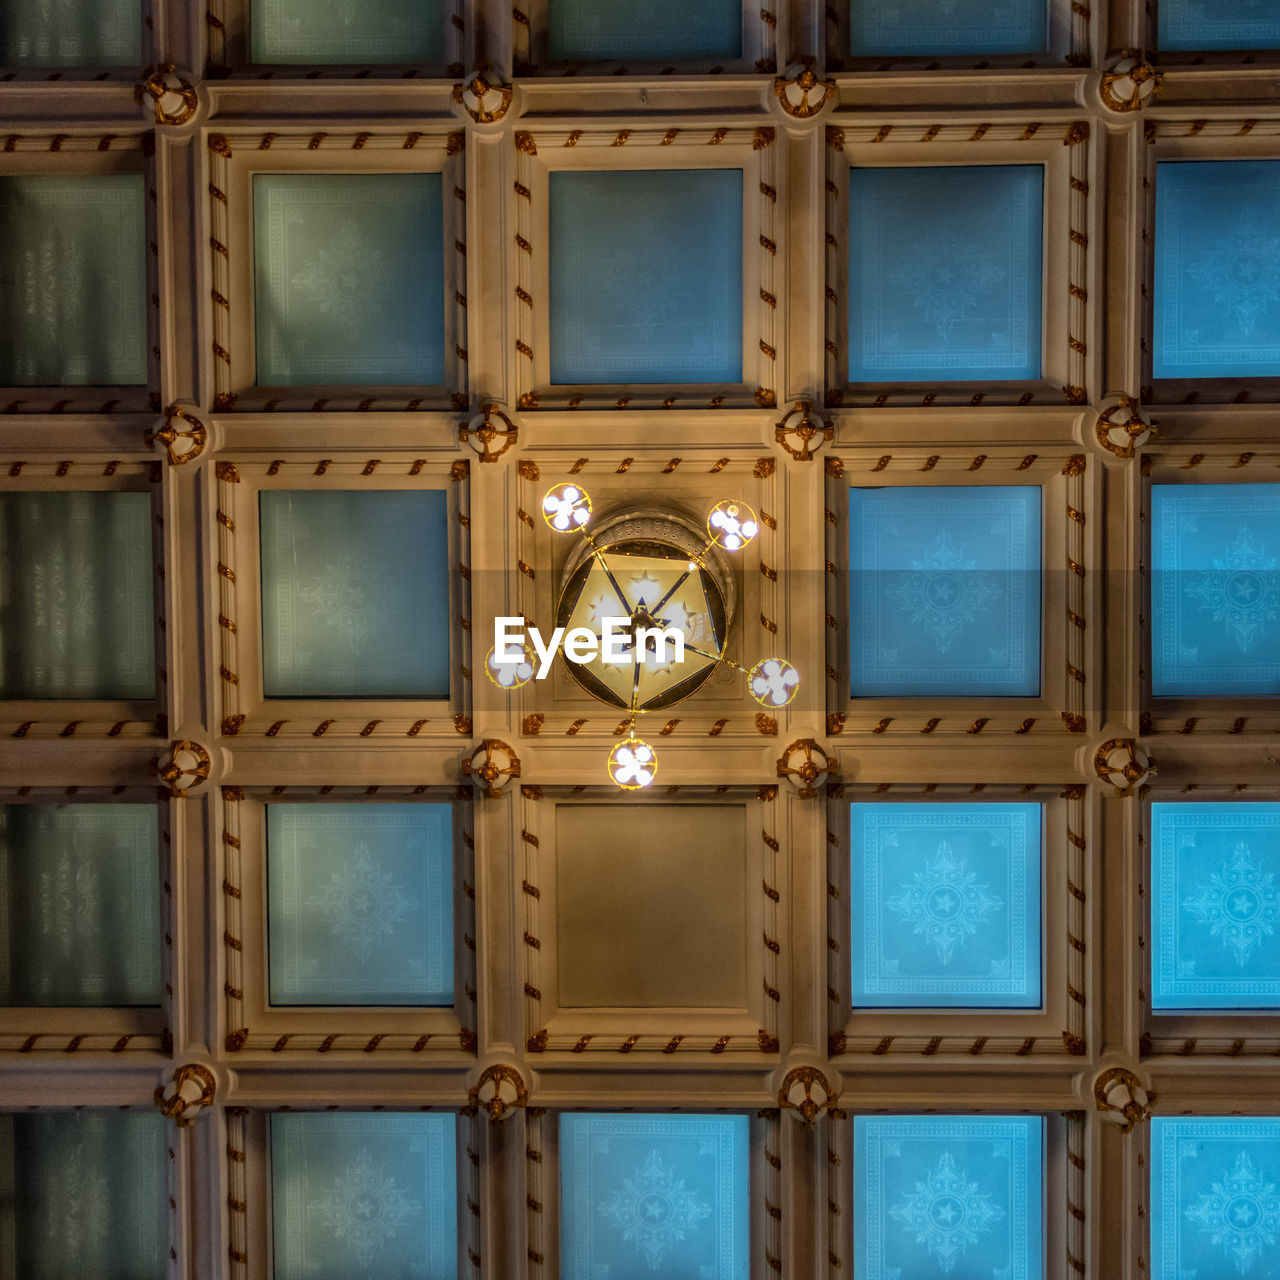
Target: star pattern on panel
x,y
362,903
944,594
1242,274
948,280
1242,590
654,1210
944,903
365,1208
338,277
349,598
946,1212
1241,1214
1240,904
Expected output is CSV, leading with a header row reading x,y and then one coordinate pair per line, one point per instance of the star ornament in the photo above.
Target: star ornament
x,y
774,682
566,507
633,764
732,524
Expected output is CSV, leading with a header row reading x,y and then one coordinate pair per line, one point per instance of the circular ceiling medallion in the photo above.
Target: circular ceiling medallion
x,y
655,576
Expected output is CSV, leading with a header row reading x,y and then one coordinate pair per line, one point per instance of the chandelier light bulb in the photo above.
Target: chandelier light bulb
x,y
633,763
732,524
566,508
510,675
773,682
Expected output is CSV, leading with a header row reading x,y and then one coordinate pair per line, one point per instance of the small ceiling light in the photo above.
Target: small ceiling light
x,y
633,763
566,508
732,524
773,682
509,675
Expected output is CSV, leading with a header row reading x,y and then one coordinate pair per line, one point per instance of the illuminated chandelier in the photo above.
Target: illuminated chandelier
x,y
657,612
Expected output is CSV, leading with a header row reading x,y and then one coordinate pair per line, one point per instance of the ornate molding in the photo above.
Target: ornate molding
x,y
800,90
185,769
499,1091
166,96
490,433
800,427
181,443
484,97
805,1094
1130,84
492,766
1121,1098
187,1093
806,766
1123,763
1121,429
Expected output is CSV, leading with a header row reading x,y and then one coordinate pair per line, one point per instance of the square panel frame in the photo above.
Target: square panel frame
x,y
1183,465
122,1029
1068,158
233,160
1188,139
87,155
247,1171
102,717
249,1022
1068,653
234,573
691,485
530,45
542,1189
1061,1025
1064,1149
1068,39
554,149
229,48
1183,1031
555,1035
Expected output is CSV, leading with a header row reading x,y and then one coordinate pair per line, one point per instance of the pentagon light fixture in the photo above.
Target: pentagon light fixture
x,y
643,615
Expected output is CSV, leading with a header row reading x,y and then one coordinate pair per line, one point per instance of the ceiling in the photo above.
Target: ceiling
x,y
545,332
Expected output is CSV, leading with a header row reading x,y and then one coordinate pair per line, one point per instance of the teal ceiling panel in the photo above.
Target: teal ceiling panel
x,y
1218,24
646,276
960,1196
349,279
638,30
70,33
944,595
945,270
355,594
79,905
83,1195
76,595
364,1195
1215,906
1217,269
73,281
1215,1207
936,28
347,31
654,1195
360,904
946,905
1215,590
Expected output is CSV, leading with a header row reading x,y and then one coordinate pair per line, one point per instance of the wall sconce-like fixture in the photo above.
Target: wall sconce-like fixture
x,y
190,1090
1121,1098
499,1091
805,1094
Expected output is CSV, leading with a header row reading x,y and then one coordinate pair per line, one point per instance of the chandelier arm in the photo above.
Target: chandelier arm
x,y
716,657
695,562
608,573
